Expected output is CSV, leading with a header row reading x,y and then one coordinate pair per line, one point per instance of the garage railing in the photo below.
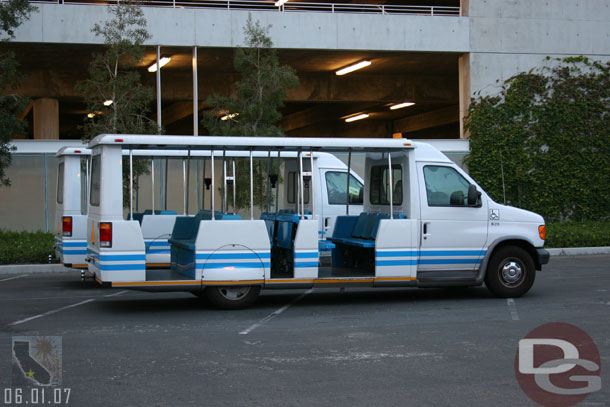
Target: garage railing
x,y
286,7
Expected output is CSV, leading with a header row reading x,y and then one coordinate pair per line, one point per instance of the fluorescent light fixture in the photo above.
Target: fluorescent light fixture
x,y
353,67
280,3
228,116
401,105
162,62
108,102
357,117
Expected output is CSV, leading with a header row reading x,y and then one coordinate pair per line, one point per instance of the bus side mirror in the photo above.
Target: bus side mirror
x,y
207,182
273,179
473,196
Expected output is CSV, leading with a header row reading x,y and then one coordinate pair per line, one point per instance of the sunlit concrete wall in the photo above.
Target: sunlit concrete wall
x,y
512,36
224,28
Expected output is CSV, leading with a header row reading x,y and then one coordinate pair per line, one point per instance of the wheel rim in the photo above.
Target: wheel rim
x,y
512,272
234,293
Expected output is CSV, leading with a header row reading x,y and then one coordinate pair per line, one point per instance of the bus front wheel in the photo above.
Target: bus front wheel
x,y
232,297
511,272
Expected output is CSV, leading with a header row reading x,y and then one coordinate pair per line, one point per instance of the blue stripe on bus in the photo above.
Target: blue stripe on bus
x,y
157,243
122,257
305,264
158,251
234,265
382,263
74,244
432,253
233,256
397,253
450,261
74,252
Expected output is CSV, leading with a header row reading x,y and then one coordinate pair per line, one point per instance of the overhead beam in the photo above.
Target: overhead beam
x,y
446,115
320,87
321,113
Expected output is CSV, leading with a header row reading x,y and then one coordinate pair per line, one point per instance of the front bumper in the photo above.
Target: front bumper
x,y
543,256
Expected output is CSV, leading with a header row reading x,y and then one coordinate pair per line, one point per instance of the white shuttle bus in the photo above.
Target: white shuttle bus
x,y
157,224
71,207
423,223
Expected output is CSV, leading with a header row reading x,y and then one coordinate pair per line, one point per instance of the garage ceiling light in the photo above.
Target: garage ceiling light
x,y
401,105
162,62
108,102
354,67
357,117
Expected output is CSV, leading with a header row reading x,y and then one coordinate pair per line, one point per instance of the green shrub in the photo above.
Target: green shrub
x,y
544,141
578,234
25,247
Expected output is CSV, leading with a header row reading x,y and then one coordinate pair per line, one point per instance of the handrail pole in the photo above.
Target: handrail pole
x,y
131,184
183,186
152,182
312,189
251,187
349,166
391,186
213,185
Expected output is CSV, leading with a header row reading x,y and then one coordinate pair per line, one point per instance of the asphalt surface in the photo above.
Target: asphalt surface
x,y
363,347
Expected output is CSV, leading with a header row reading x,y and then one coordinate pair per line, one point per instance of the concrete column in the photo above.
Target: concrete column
x,y
46,119
464,84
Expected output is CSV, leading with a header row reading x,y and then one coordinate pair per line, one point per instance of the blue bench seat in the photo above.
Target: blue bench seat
x,y
360,231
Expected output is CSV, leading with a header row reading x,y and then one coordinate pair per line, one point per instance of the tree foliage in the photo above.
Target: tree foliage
x,y
112,76
12,14
252,110
258,95
548,133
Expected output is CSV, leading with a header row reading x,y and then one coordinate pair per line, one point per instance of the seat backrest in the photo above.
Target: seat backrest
x,y
360,227
185,228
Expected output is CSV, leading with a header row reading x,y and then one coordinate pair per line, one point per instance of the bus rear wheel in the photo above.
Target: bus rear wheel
x,y
510,272
235,297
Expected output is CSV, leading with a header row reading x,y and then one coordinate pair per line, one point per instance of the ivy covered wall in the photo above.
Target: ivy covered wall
x,y
544,141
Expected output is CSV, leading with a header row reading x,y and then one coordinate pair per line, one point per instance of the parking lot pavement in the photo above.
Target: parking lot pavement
x,y
363,347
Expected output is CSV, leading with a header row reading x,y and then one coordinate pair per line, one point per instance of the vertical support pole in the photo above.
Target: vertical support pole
x,y
268,194
159,124
166,184
301,189
130,184
251,187
183,186
188,181
137,192
195,99
312,188
86,184
234,188
203,188
224,204
46,192
277,186
213,185
349,168
390,176
152,182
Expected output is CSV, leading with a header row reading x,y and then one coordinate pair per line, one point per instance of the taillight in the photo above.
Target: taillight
x,y
66,226
105,234
542,232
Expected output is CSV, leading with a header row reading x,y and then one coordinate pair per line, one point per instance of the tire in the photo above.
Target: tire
x,y
510,272
232,297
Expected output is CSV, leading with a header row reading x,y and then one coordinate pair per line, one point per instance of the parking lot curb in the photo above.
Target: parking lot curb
x,y
33,268
579,251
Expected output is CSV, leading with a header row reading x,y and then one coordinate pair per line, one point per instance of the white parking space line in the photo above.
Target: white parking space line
x,y
12,278
274,313
512,307
115,294
21,321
